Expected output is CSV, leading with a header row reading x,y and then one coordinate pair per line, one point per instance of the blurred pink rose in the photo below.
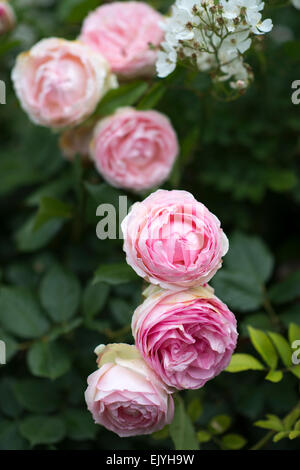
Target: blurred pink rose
x,y
59,82
187,337
123,33
125,395
173,240
7,18
134,149
77,141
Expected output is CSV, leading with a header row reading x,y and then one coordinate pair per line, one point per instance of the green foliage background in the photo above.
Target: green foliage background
x,y
58,297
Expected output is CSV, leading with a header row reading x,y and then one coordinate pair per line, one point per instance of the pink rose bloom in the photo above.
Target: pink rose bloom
x,y
173,240
125,395
187,337
7,18
59,83
134,149
123,32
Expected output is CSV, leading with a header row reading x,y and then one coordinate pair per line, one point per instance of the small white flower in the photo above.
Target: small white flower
x,y
296,4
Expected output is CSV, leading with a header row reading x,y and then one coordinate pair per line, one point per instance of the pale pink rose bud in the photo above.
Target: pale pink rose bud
x,y
125,395
59,83
76,141
133,149
173,240
7,18
187,337
126,34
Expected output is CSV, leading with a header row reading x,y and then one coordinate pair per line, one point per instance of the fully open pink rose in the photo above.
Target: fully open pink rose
x,y
125,33
187,337
7,17
134,149
59,82
125,395
173,240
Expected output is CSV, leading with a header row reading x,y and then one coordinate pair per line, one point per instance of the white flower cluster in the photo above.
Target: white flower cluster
x,y
213,35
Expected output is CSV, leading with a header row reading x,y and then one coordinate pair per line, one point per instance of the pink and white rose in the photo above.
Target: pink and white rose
x,y
187,337
59,83
173,240
125,395
133,149
7,17
126,34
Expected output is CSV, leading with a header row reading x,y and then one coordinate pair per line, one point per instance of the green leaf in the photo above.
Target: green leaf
x,y
195,409
42,429
162,434
295,371
280,435
249,256
282,347
125,95
21,314
36,395
49,209
241,362
29,240
121,310
286,290
94,299
264,347
9,406
294,332
79,425
203,436
10,438
219,424
274,376
291,418
239,291
115,274
152,97
48,359
273,423
56,188
294,434
233,441
60,294
247,266
181,429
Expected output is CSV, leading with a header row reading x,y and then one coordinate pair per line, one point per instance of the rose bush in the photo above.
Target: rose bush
x,y
134,149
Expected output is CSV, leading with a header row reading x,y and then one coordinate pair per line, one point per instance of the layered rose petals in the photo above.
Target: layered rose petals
x,y
126,34
134,150
173,240
187,337
60,82
127,397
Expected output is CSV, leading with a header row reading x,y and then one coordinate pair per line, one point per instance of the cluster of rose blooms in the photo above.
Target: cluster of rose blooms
x,y
184,335
213,35
60,84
